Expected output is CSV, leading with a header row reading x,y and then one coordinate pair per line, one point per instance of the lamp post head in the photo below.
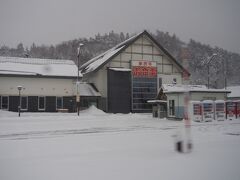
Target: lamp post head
x,y
78,49
19,88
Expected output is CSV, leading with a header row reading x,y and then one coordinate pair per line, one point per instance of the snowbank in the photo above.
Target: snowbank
x,y
92,110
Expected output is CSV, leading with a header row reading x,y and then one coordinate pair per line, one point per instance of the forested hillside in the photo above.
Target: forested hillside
x,y
198,53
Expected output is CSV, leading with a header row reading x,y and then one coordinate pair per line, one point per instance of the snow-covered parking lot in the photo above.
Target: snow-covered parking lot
x,y
95,145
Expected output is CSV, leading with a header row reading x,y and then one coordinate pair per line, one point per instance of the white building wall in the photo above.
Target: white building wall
x,y
99,79
37,86
197,96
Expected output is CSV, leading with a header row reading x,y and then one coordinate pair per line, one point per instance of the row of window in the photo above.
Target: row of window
x,y
143,84
144,79
143,89
150,82
144,96
24,102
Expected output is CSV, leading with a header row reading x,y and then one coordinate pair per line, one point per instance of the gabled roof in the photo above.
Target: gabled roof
x,y
15,66
98,62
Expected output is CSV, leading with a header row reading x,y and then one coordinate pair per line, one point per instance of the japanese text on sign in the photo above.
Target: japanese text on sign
x,y
144,71
144,68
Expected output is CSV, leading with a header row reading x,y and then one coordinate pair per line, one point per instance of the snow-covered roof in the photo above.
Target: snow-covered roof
x,y
235,91
35,66
87,90
97,62
120,69
179,88
156,101
94,63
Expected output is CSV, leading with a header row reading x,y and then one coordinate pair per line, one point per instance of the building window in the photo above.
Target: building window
x,y
41,102
159,82
24,102
171,108
5,102
143,89
59,103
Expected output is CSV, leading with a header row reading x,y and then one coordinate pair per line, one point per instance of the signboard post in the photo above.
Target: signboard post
x,y
78,98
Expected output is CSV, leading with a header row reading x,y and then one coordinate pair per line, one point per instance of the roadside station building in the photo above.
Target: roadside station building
x,y
131,73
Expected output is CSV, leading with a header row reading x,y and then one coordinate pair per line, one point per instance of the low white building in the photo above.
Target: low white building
x,y
235,92
176,93
47,85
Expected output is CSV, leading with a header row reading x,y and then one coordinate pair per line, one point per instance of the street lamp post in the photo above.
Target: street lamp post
x,y
19,106
78,83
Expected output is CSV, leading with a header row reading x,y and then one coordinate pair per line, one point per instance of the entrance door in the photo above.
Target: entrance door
x,y
119,91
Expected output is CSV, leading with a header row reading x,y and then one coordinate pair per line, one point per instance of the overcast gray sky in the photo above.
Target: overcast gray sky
x,y
214,22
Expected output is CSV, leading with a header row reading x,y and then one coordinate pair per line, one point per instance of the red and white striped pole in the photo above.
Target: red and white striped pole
x,y
184,142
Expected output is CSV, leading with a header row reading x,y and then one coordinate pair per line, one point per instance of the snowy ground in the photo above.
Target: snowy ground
x,y
95,145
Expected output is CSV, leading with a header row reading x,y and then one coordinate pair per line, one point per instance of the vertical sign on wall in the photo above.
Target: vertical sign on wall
x,y
144,69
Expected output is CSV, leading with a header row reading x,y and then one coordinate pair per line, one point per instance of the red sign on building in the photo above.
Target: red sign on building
x,y
144,69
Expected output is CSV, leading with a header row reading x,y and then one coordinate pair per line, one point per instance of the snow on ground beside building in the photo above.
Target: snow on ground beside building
x,y
96,145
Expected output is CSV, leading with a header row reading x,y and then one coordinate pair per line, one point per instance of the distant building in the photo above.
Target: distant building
x,y
49,85
131,73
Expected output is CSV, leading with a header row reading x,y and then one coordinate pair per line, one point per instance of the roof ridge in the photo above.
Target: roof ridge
x,y
39,61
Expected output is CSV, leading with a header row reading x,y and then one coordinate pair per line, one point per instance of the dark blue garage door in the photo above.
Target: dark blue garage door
x,y
119,91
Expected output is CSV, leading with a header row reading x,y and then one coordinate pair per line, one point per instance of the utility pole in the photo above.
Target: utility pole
x,y
208,63
78,82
